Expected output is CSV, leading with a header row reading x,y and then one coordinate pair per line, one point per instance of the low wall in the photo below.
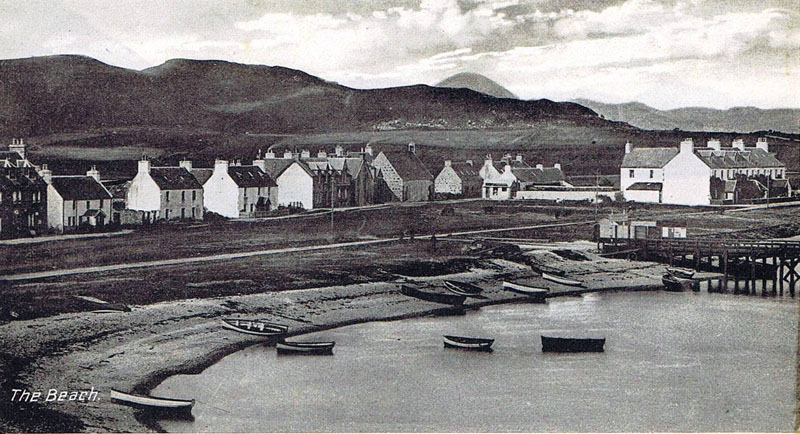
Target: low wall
x,y
565,195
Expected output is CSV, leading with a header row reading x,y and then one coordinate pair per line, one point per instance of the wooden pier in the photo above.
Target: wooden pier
x,y
744,264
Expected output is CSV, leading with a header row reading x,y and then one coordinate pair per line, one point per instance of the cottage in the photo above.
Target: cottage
x,y
404,174
76,201
295,180
702,176
23,194
166,193
517,177
460,179
239,191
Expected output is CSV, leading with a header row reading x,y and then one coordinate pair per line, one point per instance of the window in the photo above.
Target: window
x,y
166,196
183,196
74,204
101,203
630,173
166,214
651,173
194,196
88,205
193,212
183,213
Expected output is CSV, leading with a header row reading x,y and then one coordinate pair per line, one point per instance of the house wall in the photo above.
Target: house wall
x,y
497,192
143,193
390,175
221,195
417,190
55,209
687,181
72,210
639,175
488,170
642,196
248,199
177,204
295,186
559,195
447,182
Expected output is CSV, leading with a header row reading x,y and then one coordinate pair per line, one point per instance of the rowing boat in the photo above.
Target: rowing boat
x,y
681,272
572,345
305,347
525,289
463,288
480,344
152,402
451,299
255,327
561,280
674,283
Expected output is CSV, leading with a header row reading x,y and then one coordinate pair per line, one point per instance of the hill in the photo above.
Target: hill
x,y
476,82
741,119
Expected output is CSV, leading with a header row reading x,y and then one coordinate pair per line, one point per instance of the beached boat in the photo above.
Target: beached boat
x,y
305,347
561,280
525,289
572,345
681,272
451,299
481,344
463,288
674,283
152,402
102,306
255,327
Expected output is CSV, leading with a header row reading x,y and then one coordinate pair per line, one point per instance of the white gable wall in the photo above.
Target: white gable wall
x,y
55,209
447,181
295,185
221,194
687,181
144,194
639,175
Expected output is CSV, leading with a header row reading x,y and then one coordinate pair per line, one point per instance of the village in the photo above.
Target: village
x,y
34,201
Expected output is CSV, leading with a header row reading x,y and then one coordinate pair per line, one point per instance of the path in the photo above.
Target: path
x,y
47,239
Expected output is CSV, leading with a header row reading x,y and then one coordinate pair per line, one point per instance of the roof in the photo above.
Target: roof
x,y
737,159
93,213
250,176
19,177
408,166
79,188
352,165
10,155
513,162
646,186
276,166
547,175
201,174
648,158
118,189
466,171
174,178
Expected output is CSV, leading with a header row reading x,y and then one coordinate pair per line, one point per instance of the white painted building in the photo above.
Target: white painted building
x,y
239,191
75,201
294,179
459,179
166,193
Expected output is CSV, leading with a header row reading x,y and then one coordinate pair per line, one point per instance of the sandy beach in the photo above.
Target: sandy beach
x,y
134,351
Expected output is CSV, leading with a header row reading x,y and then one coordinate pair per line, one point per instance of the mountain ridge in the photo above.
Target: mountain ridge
x,y
478,83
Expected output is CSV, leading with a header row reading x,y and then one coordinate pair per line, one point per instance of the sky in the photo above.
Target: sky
x,y
664,53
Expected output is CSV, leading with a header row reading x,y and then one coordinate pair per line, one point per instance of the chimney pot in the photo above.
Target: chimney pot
x,y
738,144
762,144
221,165
338,151
519,157
412,147
287,155
186,164
628,147
714,144
540,166
447,163
687,145
557,166
144,165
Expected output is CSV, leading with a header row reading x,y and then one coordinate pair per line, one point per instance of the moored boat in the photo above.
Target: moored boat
x,y
681,272
482,344
525,289
451,299
572,345
254,327
463,288
561,280
285,347
153,403
674,283
102,306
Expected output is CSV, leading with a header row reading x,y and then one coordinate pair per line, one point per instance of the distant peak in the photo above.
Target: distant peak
x,y
478,83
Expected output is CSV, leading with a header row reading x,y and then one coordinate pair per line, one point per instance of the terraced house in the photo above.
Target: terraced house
x,y
23,194
238,191
165,193
76,201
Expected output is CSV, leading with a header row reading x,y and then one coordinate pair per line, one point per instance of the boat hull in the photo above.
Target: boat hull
x,y
451,299
676,284
537,294
465,343
463,288
305,348
179,407
561,280
572,345
680,272
255,327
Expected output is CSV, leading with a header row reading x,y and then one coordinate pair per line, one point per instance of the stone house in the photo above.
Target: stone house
x,y
237,191
165,193
23,194
405,175
459,179
76,201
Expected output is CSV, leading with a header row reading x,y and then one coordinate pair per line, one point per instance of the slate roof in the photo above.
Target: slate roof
x,y
12,156
174,178
738,159
201,174
646,186
514,163
276,166
79,188
532,175
118,190
648,158
351,164
250,176
408,166
19,177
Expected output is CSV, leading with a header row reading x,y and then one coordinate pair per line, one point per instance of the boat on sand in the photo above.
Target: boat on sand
x,y
561,280
153,403
255,327
478,344
285,347
451,299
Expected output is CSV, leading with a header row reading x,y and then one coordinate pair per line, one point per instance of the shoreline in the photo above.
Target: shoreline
x,y
135,351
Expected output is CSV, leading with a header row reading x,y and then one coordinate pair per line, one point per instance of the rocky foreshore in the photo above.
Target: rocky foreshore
x,y
134,351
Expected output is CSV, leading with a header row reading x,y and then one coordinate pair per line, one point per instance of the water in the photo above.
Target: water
x,y
673,362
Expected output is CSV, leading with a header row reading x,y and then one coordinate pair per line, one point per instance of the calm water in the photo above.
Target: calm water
x,y
673,362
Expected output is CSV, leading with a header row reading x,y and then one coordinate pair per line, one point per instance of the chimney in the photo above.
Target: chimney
x,y
18,146
738,144
412,147
557,166
687,145
305,153
288,155
338,151
714,144
322,154
368,149
94,173
46,174
447,163
186,164
762,144
269,155
519,157
144,165
628,147
220,166
261,164
469,162
540,166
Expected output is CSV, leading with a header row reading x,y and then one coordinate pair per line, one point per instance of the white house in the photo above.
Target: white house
x,y
239,191
165,193
294,179
459,179
74,201
516,176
